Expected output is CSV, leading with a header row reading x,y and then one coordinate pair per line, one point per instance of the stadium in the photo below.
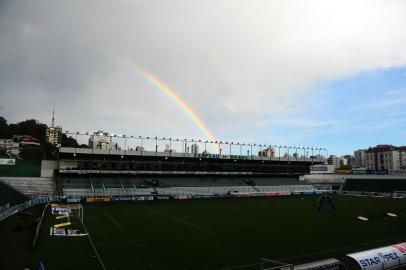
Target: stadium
x,y
193,135
118,209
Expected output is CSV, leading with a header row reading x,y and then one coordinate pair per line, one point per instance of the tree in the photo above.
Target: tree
x,y
68,141
345,167
34,128
49,150
4,130
32,153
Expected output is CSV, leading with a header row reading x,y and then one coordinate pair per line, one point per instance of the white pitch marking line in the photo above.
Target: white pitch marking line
x,y
112,219
153,239
240,266
180,220
94,248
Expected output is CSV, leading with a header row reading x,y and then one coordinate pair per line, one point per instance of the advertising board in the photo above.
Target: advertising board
x,y
73,200
123,198
328,264
378,171
183,197
381,258
341,171
98,199
7,161
321,169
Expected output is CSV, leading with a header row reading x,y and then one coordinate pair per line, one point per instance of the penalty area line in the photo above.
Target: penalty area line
x,y
180,220
153,239
113,220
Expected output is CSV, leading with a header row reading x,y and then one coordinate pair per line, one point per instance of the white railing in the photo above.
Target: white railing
x,y
92,151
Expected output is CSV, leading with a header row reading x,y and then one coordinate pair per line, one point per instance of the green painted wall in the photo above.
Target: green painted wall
x,y
24,168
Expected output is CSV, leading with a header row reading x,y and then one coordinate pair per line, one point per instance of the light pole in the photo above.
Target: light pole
x,y
312,154
221,149
230,148
295,152
142,144
170,146
125,144
132,141
191,146
304,153
259,150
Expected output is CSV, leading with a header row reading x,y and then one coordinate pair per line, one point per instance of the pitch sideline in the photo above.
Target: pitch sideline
x,y
186,236
94,247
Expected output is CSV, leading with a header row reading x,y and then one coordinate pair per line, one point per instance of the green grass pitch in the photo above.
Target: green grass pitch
x,y
217,234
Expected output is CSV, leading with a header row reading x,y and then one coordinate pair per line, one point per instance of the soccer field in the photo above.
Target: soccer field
x,y
221,233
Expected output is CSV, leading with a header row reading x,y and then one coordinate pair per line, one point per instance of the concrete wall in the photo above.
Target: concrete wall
x,y
31,186
340,179
48,168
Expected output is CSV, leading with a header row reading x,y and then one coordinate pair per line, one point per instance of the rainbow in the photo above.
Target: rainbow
x,y
176,98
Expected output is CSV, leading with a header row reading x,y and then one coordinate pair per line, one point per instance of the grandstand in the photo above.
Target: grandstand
x,y
160,185
31,186
375,185
87,172
10,196
206,227
359,183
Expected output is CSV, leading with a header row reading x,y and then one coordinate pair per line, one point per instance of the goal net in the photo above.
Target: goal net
x,y
77,210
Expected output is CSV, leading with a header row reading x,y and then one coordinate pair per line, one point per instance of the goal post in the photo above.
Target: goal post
x,y
77,209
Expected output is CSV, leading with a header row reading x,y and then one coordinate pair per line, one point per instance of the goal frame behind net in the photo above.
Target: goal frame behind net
x,y
77,209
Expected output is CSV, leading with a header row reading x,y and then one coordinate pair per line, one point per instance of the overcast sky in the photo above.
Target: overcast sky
x,y
312,73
